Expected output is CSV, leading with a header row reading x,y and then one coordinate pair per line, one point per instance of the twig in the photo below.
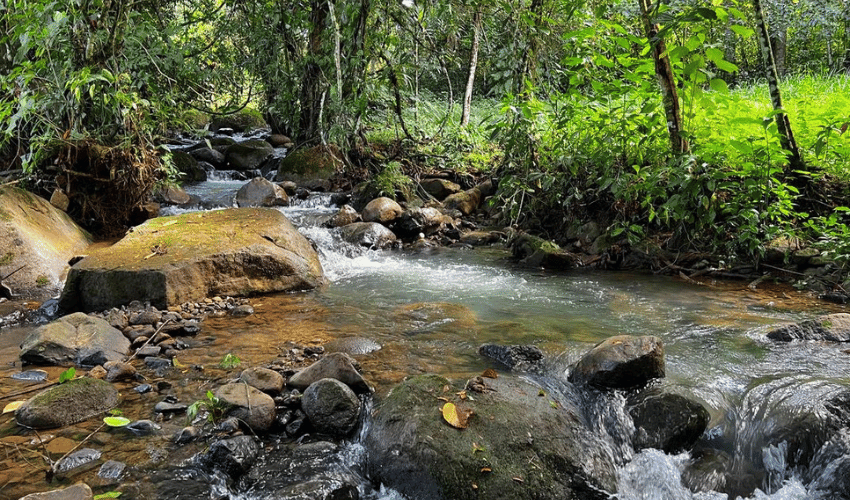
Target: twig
x,y
52,472
149,339
757,281
783,270
10,183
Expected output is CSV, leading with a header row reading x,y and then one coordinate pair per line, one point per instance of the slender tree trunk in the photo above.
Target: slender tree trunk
x,y
311,83
783,123
664,72
528,64
473,64
779,45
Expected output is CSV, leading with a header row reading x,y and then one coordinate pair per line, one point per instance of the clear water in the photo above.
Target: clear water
x,y
429,312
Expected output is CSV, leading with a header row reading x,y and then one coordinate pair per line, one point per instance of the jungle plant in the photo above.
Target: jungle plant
x,y
212,406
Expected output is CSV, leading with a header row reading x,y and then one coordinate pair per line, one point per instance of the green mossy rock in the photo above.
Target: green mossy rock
x,y
538,252
68,403
307,165
519,444
39,237
172,260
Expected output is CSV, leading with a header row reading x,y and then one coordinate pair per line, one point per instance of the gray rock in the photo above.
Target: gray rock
x,y
156,363
112,470
77,459
252,406
76,338
79,491
381,210
187,164
233,456
31,376
117,371
211,156
331,407
368,234
260,192
521,358
268,381
241,311
171,195
621,362
186,435
337,366
68,403
248,155
414,451
142,427
440,188
425,220
830,327
166,407
666,421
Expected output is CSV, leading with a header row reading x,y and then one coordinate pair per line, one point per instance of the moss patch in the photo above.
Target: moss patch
x,y
316,162
7,259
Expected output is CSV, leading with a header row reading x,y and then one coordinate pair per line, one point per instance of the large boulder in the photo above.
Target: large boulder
x,y
465,201
172,260
337,366
331,406
518,445
38,240
538,252
368,234
211,156
68,403
188,166
830,327
440,189
248,404
621,362
76,338
248,155
303,165
425,220
382,210
261,192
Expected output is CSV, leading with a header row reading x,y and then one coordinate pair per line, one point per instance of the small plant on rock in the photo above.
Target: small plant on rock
x,y
214,408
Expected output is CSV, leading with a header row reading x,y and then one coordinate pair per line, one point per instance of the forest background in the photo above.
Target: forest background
x,y
713,126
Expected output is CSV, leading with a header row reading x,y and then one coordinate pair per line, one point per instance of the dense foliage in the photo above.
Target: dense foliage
x,y
567,111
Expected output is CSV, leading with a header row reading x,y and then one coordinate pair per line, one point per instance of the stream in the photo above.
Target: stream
x,y
404,313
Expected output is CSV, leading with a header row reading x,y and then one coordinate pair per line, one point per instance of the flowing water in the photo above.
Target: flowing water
x,y
410,313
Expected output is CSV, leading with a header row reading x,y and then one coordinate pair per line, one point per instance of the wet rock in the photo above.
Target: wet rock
x,y
331,407
168,407
242,311
297,424
248,155
188,165
117,318
119,371
171,195
77,459
31,376
521,358
211,156
261,193
537,252
143,388
829,473
353,345
336,366
97,372
440,188
830,327
421,220
466,202
134,333
68,403
38,241
146,317
76,338
186,435
621,362
666,421
482,238
272,257
112,470
368,234
268,381
148,351
414,451
142,427
79,491
313,471
707,471
345,216
233,456
156,363
302,165
253,407
381,210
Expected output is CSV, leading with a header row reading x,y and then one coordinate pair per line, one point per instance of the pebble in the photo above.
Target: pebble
x,y
186,435
165,407
142,427
31,376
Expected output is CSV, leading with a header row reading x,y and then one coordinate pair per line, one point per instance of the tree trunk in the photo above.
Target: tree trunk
x,y
666,80
312,85
528,64
783,123
473,64
779,45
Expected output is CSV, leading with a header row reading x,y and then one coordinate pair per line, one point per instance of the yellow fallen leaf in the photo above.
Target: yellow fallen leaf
x,y
444,400
455,418
486,469
518,479
177,363
14,405
490,373
461,394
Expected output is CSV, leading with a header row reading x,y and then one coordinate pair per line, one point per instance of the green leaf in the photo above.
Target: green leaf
x,y
742,31
67,375
116,421
108,494
719,85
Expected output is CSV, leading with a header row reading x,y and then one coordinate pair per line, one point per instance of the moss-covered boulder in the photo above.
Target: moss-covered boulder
x,y
521,442
38,240
68,403
535,251
241,121
308,164
188,257
830,327
75,339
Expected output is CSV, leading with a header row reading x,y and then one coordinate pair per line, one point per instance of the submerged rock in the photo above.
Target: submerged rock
x,y
413,450
523,358
172,260
68,403
830,327
76,338
79,491
621,362
665,421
